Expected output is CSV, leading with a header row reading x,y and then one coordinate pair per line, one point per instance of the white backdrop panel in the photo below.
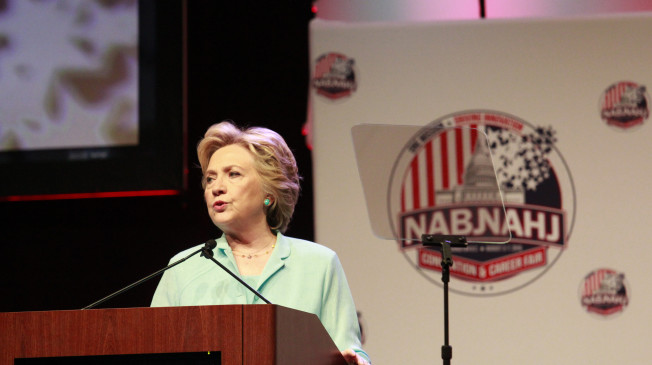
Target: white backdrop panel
x,y
549,73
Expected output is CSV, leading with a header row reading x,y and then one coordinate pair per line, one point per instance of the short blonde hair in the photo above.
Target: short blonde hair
x,y
274,162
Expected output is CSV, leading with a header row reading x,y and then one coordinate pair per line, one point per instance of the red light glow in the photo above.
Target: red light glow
x,y
109,194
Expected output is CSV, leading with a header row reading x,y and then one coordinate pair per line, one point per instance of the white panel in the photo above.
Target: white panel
x,y
550,73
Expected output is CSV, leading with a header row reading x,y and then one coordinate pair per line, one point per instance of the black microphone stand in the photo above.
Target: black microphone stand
x,y
445,242
208,253
207,245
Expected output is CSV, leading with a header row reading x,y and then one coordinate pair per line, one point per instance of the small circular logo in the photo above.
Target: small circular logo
x,y
334,76
624,105
604,292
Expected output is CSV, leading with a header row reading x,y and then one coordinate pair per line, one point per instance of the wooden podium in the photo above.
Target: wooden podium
x,y
242,334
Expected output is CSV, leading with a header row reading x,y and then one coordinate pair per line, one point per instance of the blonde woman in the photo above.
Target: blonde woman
x,y
251,186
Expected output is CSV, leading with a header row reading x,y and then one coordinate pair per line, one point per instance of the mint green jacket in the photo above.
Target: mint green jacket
x,y
300,274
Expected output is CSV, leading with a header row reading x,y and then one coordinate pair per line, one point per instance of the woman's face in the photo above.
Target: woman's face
x,y
234,194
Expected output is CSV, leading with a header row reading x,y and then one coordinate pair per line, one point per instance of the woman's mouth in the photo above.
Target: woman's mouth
x,y
219,206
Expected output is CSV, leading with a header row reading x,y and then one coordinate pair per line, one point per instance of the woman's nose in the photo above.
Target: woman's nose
x,y
218,187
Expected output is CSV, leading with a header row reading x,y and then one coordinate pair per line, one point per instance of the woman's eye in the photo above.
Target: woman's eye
x,y
234,173
209,180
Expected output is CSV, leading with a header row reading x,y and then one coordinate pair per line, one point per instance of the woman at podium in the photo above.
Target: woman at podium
x,y
251,186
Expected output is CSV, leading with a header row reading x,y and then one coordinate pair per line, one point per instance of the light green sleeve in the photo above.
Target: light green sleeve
x,y
339,315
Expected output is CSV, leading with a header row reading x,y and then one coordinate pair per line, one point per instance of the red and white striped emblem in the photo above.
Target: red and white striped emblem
x,y
614,94
325,63
438,166
445,182
624,105
593,281
604,292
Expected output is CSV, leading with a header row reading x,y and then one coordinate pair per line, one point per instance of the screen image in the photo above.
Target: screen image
x,y
69,74
90,97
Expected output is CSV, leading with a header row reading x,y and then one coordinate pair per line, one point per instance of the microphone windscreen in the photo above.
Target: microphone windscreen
x,y
207,251
211,244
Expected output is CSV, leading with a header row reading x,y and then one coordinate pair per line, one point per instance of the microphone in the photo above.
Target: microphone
x,y
208,246
208,253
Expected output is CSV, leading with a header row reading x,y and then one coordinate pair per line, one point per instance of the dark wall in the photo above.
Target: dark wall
x,y
246,62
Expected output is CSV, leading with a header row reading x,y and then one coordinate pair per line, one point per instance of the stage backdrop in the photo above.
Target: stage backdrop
x,y
564,104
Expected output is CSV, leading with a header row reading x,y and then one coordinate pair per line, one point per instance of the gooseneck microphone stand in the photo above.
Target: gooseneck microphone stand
x,y
208,253
208,245
445,242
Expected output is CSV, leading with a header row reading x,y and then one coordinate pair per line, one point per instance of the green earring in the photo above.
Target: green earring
x,y
267,202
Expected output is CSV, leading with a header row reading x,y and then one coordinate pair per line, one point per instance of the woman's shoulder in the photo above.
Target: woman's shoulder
x,y
303,247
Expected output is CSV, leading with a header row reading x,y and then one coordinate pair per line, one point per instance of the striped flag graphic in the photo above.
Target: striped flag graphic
x,y
325,63
593,282
614,94
438,166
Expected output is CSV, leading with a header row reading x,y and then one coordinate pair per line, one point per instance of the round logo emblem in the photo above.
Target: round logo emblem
x,y
334,76
604,292
624,105
445,174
